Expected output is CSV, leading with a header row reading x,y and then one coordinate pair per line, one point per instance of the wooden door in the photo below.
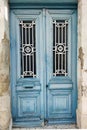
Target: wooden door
x,y
43,66
61,52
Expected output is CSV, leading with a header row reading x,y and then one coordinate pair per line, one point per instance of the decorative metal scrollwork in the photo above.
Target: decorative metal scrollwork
x,y
28,48
60,47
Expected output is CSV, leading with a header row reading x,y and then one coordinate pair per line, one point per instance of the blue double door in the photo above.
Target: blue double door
x,y
43,66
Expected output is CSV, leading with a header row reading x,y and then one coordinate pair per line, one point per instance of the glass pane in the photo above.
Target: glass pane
x,y
60,47
28,49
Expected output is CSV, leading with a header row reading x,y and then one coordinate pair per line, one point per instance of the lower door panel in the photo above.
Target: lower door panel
x,y
29,104
59,103
28,108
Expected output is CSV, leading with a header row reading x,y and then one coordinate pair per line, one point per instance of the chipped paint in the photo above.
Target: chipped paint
x,y
81,54
4,65
84,90
85,71
5,40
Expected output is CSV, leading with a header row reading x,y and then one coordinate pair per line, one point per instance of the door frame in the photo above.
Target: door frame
x,y
51,7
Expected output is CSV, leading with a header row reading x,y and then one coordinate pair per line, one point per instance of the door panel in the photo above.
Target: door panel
x,y
61,82
60,103
43,66
26,67
29,104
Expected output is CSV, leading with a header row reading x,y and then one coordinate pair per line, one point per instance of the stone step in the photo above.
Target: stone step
x,y
54,127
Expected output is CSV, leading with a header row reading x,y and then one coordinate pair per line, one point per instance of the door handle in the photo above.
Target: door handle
x,y
28,87
46,86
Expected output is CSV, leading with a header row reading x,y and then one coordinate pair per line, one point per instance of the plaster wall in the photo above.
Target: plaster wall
x,y
82,64
5,111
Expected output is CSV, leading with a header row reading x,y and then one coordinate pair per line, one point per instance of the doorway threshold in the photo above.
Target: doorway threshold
x,y
66,126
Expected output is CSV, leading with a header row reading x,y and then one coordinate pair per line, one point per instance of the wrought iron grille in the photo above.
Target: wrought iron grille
x,y
60,47
28,49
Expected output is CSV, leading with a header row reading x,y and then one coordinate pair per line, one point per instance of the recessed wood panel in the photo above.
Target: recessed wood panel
x,y
29,104
59,103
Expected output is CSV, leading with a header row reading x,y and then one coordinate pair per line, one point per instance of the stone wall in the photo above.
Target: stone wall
x,y
5,111
82,64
